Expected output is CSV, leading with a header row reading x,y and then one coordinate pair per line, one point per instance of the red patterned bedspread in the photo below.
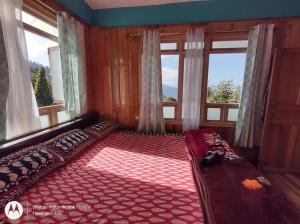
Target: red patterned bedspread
x,y
123,179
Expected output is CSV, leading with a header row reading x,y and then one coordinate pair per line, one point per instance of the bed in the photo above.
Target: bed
x,y
124,178
224,199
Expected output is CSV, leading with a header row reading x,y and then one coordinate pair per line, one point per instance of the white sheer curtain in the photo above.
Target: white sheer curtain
x,y
258,60
192,80
151,110
72,51
21,106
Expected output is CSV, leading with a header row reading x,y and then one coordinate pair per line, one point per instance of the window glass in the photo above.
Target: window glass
x,y
44,121
56,74
233,114
168,46
62,116
46,76
170,64
213,114
169,112
230,44
225,77
39,63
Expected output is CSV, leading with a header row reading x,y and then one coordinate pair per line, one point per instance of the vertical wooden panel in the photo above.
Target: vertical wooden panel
x,y
279,145
115,61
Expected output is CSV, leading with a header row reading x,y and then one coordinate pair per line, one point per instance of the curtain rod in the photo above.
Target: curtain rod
x,y
183,33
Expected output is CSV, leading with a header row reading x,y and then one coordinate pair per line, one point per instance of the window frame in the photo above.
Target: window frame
x,y
179,40
209,38
37,31
43,13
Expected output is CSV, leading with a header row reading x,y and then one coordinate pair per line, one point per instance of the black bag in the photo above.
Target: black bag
x,y
214,155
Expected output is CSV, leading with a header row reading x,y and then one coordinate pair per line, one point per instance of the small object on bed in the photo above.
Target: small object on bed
x,y
22,169
102,129
252,184
264,180
71,143
214,155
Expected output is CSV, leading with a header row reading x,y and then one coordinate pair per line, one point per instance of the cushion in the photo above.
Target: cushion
x,y
102,129
21,169
71,143
199,141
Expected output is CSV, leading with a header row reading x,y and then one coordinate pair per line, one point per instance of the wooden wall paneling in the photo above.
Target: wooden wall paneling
x,y
125,116
115,71
135,53
277,139
290,31
279,144
291,151
101,69
116,66
181,45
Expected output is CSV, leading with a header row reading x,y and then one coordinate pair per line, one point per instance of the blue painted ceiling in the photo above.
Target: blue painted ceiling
x,y
191,12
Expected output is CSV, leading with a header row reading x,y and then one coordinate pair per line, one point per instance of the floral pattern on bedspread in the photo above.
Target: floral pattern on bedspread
x,y
122,179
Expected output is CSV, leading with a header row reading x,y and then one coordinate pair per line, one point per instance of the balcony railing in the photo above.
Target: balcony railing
x,y
52,113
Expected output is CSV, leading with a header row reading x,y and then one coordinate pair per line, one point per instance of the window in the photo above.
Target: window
x,y
39,24
170,60
170,64
225,74
45,65
225,77
230,44
168,46
169,112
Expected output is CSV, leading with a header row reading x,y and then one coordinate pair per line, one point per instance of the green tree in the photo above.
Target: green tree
x,y
168,99
42,89
236,95
33,76
224,92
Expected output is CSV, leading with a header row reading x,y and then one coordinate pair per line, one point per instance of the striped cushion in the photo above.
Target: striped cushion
x,y
70,144
23,168
102,129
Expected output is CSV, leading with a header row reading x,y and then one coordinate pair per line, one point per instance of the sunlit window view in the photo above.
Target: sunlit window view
x,y
170,65
225,77
45,67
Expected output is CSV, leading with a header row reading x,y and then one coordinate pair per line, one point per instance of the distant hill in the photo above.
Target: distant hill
x,y
169,91
33,65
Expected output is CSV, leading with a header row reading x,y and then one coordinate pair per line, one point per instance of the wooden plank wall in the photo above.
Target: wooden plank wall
x,y
280,151
115,60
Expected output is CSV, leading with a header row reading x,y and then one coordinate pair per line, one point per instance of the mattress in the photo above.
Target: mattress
x,y
224,198
125,178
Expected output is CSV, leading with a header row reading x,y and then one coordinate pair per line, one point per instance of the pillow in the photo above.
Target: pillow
x,y
70,144
102,129
21,169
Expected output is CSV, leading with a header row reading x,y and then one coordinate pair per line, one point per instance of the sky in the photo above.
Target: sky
x,y
170,64
222,67
227,67
37,47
